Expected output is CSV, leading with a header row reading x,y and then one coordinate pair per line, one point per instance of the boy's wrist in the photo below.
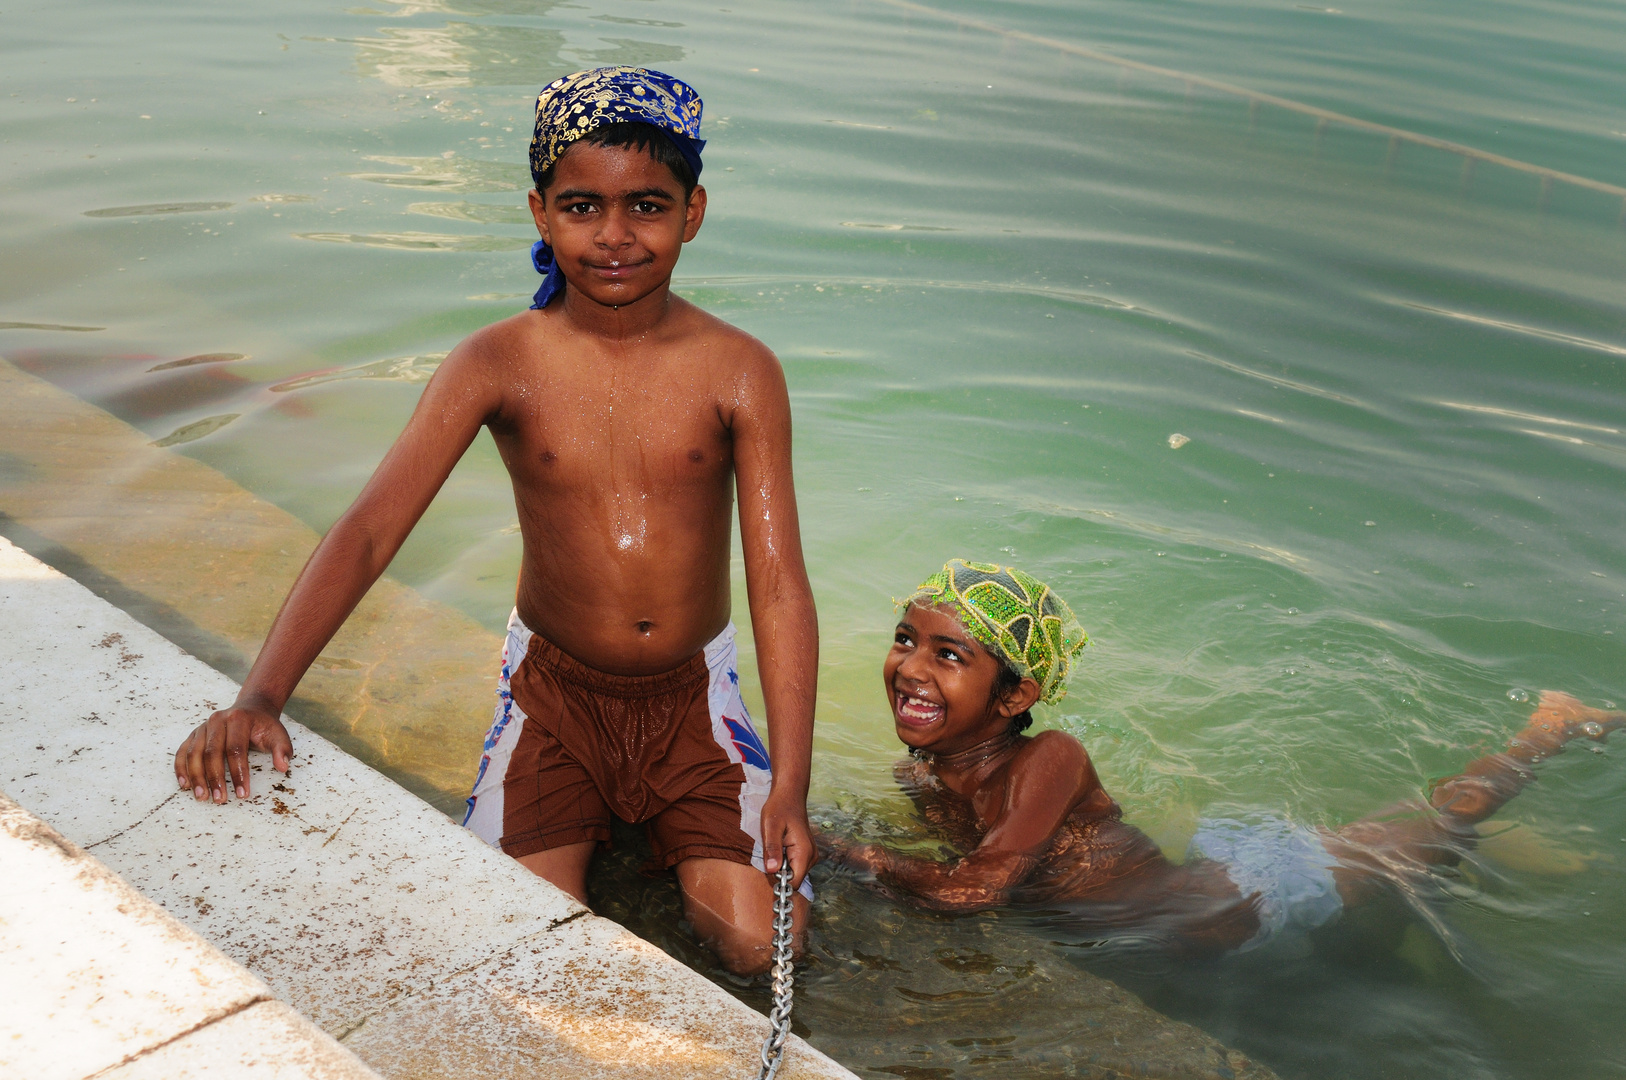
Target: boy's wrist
x,y
257,701
781,792
791,786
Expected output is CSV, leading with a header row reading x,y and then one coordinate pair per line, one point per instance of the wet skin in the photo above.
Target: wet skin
x,y
1039,829
628,419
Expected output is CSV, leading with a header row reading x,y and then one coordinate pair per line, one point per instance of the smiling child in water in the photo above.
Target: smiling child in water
x,y
978,646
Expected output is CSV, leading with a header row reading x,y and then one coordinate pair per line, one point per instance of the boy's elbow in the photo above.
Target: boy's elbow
x,y
362,542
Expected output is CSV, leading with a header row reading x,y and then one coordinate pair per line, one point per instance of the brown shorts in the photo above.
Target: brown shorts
x,y
572,747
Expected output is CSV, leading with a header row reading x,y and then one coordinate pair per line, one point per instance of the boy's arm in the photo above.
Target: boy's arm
x,y
346,562
1050,777
782,617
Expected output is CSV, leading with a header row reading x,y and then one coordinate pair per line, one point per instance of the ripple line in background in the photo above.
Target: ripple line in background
x,y
1324,117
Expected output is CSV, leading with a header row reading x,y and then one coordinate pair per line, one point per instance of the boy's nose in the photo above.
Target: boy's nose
x,y
614,231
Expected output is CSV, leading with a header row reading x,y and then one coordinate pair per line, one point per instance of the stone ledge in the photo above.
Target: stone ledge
x,y
361,906
101,981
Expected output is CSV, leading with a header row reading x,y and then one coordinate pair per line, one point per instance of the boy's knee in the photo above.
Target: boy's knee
x,y
746,952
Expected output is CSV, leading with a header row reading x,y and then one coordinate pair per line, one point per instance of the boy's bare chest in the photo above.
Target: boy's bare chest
x,y
578,436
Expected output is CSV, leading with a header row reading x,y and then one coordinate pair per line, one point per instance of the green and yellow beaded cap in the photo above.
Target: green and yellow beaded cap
x,y
1015,615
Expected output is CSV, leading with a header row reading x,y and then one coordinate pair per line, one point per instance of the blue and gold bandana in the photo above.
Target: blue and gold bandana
x,y
577,104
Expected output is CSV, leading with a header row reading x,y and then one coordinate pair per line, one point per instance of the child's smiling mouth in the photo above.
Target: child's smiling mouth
x,y
618,268
916,711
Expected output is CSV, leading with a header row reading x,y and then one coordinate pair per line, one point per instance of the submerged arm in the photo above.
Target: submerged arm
x,y
783,620
981,880
1048,779
343,567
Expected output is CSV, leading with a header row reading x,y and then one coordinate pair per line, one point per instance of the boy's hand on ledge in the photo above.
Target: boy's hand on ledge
x,y
220,746
785,832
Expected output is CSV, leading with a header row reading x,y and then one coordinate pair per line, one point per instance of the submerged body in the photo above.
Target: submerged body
x,y
1104,872
1038,828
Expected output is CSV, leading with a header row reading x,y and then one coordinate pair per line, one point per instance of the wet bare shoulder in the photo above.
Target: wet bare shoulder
x,y
735,355
1063,760
490,349
1054,767
470,382
501,356
1056,751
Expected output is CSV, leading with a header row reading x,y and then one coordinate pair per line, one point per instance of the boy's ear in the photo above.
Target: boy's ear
x,y
1019,699
539,215
694,213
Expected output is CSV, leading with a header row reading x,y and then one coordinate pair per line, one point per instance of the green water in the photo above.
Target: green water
x,y
1000,277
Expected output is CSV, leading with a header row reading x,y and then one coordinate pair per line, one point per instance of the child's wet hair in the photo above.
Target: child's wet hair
x,y
1007,681
634,135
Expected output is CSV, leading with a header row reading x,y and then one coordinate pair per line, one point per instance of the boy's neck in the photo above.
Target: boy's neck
x,y
971,759
617,322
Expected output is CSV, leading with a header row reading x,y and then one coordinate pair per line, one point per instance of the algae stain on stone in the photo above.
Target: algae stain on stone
x,y
196,430
201,358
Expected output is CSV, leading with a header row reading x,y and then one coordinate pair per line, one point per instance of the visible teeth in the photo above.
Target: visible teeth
x,y
919,708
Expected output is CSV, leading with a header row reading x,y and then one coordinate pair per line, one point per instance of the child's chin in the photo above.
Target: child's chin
x,y
916,736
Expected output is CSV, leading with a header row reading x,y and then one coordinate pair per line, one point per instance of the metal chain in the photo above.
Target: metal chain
x,y
784,976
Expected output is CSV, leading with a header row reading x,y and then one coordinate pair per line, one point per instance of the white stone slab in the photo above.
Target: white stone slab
x,y
360,905
266,1041
98,977
86,693
342,890
597,1001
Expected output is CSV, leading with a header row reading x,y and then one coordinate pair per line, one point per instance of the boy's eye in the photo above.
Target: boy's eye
x,y
646,208
579,208
948,654
901,638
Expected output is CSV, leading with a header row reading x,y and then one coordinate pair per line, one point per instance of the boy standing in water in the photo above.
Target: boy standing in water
x,y
978,645
626,417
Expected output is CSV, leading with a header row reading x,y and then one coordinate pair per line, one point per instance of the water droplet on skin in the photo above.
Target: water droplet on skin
x,y
1593,728
1521,696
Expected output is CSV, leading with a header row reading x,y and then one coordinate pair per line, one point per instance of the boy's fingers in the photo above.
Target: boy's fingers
x,y
237,762
214,759
802,856
274,738
194,765
785,844
773,841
